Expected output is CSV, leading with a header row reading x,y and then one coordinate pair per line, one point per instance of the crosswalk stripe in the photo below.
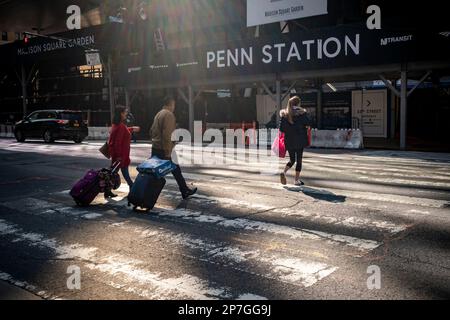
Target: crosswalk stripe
x,y
6,277
351,222
242,224
124,270
315,270
296,272
232,179
374,171
407,182
27,286
225,202
293,270
42,207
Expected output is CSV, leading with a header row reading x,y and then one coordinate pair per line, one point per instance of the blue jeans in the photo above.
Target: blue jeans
x,y
126,176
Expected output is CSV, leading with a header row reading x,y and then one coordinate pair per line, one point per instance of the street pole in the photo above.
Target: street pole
x,y
127,99
361,112
110,88
191,110
319,105
278,97
24,91
403,107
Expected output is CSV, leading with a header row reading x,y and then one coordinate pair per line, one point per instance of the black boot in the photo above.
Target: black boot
x,y
189,192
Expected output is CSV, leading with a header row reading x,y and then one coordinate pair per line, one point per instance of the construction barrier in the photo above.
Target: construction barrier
x,y
243,126
329,139
95,133
337,139
6,131
98,133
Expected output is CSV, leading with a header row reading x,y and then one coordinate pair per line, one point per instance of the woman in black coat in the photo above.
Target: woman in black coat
x,y
294,124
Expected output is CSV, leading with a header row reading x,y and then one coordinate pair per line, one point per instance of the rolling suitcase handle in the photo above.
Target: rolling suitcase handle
x,y
115,167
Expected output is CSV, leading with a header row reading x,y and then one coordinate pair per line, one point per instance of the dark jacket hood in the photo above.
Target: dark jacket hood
x,y
297,113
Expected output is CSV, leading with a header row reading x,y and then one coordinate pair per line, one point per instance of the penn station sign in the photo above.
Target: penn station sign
x,y
285,52
261,12
313,50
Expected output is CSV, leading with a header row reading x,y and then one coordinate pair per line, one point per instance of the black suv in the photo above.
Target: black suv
x,y
52,125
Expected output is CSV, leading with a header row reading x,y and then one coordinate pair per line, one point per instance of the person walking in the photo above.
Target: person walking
x,y
294,124
161,132
120,145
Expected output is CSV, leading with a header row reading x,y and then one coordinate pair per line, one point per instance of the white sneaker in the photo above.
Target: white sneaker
x,y
299,183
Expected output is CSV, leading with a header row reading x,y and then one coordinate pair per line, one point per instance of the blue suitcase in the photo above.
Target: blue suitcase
x,y
145,192
157,167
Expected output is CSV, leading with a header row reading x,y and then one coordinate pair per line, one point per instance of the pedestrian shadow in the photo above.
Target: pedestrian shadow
x,y
317,194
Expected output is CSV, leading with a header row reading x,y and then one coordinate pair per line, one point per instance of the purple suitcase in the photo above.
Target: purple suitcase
x,y
87,189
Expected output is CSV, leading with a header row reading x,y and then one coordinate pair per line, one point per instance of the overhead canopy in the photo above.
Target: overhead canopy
x,y
322,53
315,52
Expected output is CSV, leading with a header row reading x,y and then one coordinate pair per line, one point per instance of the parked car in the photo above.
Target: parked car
x,y
52,125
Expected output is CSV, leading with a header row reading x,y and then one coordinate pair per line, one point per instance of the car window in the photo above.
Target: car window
x,y
46,115
34,116
72,116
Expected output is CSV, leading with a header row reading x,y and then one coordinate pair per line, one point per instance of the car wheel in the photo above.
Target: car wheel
x,y
78,140
19,136
48,137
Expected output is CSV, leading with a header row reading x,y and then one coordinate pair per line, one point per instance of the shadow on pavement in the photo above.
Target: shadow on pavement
x,y
322,195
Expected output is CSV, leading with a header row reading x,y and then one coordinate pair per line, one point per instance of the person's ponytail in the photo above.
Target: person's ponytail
x,y
293,102
289,112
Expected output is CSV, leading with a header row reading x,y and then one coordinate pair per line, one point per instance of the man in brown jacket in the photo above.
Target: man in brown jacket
x,y
163,126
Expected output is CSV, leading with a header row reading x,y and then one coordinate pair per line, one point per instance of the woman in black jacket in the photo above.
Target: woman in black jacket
x,y
294,124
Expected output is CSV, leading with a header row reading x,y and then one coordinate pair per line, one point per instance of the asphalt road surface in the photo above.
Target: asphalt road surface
x,y
368,225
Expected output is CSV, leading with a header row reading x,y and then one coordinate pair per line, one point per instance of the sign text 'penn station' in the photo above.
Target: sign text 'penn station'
x,y
57,45
286,52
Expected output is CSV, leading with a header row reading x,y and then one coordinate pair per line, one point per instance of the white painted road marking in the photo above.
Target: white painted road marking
x,y
27,286
126,271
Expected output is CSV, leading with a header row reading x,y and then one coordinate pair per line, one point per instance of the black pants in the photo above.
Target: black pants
x,y
176,173
296,156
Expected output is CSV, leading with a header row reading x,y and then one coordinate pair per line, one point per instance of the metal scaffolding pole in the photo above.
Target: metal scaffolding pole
x,y
23,81
191,110
189,100
279,99
110,89
404,94
403,107
319,111
127,99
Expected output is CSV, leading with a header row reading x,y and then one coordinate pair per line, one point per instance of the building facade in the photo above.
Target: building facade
x,y
137,38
